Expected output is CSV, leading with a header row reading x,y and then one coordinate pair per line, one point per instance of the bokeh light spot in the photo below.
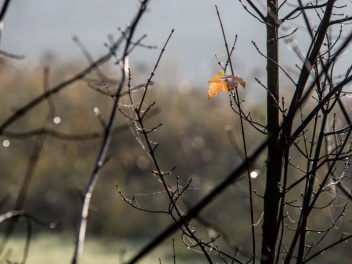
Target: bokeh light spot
x,y
6,143
57,120
254,174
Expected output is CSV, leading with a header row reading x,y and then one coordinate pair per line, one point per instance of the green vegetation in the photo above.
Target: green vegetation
x,y
58,248
198,138
191,138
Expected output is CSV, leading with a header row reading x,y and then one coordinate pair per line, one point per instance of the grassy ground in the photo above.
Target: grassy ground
x,y
54,248
57,249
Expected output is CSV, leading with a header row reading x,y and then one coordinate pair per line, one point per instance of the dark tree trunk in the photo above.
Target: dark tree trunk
x,y
274,159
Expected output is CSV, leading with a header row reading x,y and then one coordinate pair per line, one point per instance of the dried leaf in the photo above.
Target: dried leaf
x,y
226,83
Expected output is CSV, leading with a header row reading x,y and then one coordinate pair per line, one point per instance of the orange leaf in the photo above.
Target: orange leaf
x,y
240,81
216,87
226,83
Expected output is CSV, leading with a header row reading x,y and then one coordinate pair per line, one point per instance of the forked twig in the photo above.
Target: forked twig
x,y
82,226
243,140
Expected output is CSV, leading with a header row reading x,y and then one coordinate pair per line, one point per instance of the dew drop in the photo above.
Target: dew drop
x,y
57,120
96,111
254,174
6,143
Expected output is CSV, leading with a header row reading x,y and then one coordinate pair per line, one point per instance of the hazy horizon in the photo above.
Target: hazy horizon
x,y
35,28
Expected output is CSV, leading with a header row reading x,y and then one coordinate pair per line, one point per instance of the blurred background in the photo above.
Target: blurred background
x,y
199,137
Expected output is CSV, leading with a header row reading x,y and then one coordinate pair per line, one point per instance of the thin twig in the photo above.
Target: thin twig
x,y
243,140
82,226
23,110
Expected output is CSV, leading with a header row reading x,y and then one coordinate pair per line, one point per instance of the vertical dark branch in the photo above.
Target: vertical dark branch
x,y
274,161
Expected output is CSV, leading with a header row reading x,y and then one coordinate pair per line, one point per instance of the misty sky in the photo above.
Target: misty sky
x,y
34,27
